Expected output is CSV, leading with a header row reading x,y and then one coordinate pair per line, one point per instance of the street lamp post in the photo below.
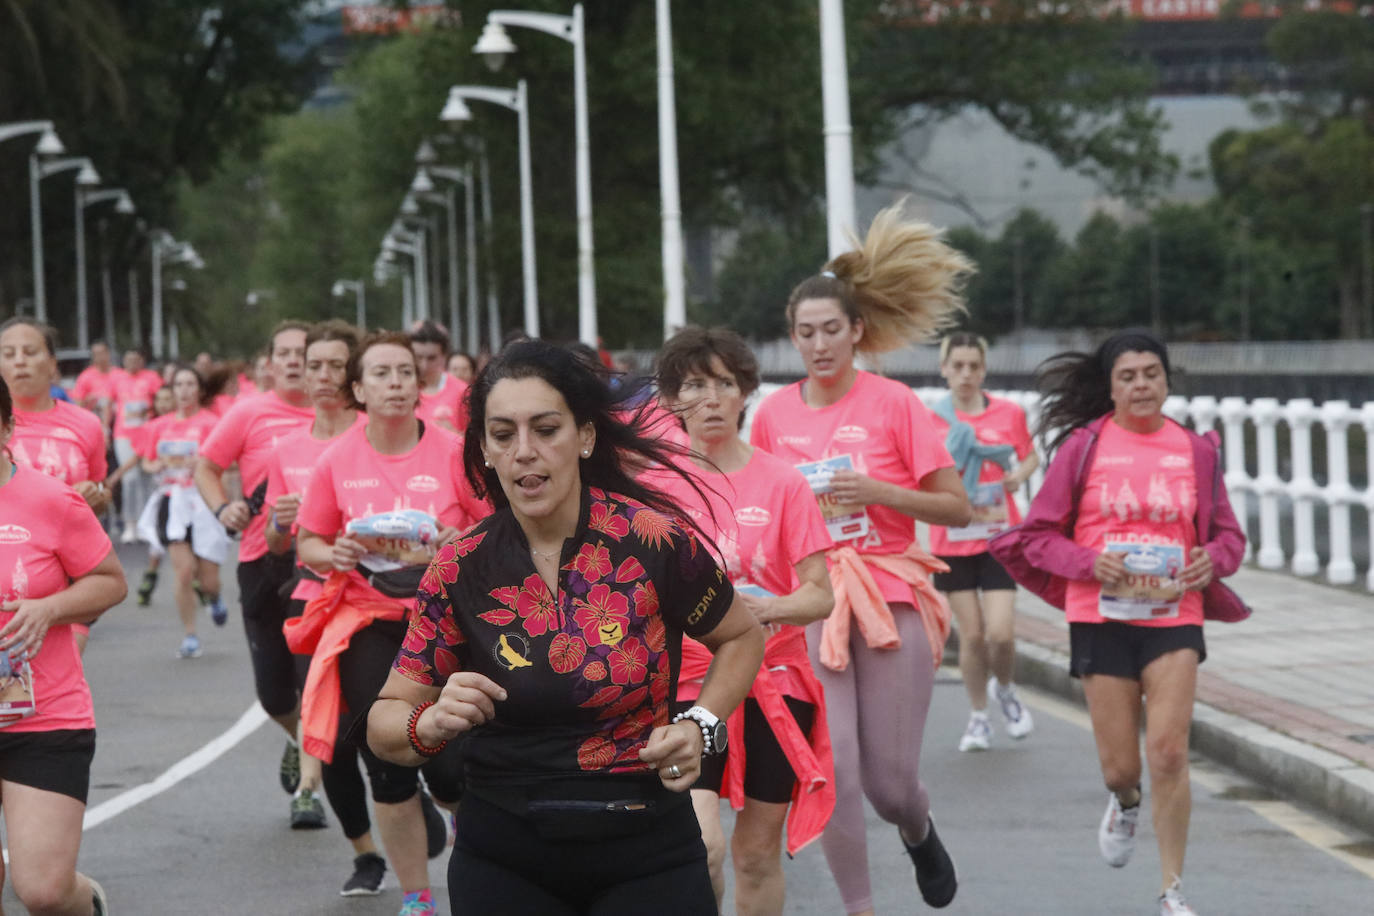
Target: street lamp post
x,y
401,241
165,249
38,170
518,101
416,234
674,279
839,153
48,145
359,291
464,177
493,304
84,199
423,189
495,44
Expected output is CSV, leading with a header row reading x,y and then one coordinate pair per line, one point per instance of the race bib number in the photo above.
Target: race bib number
x,y
393,540
16,689
989,501
135,412
178,457
1151,589
844,521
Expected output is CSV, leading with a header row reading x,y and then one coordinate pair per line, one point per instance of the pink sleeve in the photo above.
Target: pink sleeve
x,y
921,446
1046,538
803,522
95,452
319,511
83,543
759,433
475,509
81,387
225,442
276,482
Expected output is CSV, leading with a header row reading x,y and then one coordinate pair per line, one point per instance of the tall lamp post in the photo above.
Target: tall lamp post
x,y
401,241
423,189
360,293
674,279
518,101
38,170
167,250
495,45
462,177
48,145
839,153
84,199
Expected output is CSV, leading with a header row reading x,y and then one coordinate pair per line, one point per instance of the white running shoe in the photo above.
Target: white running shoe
x,y
978,735
1014,712
1171,902
1116,835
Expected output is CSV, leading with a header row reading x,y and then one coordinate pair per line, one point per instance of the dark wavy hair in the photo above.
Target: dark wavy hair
x,y
690,350
624,445
1076,387
210,388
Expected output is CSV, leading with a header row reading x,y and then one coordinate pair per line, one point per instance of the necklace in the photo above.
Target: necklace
x,y
552,557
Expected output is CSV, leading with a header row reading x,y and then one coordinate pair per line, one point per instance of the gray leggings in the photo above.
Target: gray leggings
x,y
877,714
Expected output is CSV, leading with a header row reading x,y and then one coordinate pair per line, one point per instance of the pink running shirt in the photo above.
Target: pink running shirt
x,y
66,442
352,481
177,442
93,388
1140,492
49,535
1002,422
248,434
292,464
448,407
889,434
766,520
133,395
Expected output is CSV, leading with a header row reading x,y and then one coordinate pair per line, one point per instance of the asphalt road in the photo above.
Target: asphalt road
x,y
210,834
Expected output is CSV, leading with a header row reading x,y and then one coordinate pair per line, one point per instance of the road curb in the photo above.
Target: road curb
x,y
1295,769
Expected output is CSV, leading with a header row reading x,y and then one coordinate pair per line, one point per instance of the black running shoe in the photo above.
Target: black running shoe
x,y
145,588
369,872
436,825
934,868
290,768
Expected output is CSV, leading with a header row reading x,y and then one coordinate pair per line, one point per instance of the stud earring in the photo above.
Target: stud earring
x,y
486,462
586,453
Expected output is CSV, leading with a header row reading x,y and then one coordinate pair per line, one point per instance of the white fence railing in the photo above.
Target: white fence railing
x,y
1268,449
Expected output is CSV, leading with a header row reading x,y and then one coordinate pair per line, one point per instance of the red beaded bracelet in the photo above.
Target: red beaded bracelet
x,y
415,744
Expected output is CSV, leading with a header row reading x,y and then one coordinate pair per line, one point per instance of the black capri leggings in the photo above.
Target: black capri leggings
x,y
501,866
363,669
265,609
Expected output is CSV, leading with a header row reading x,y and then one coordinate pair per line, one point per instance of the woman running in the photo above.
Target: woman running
x,y
991,447
328,348
1134,516
549,637
163,403
871,453
57,569
382,498
759,512
194,538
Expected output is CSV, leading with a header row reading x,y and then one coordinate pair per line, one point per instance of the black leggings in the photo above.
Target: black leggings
x,y
265,609
501,866
363,669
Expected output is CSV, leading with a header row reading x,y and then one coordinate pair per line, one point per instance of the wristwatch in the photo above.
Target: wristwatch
x,y
713,732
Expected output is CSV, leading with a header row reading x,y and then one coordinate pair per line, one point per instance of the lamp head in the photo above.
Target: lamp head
x,y
494,45
49,144
88,177
125,205
338,289
455,109
422,184
426,155
409,207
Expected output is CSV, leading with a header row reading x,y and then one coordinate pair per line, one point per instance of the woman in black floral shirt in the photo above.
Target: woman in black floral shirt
x,y
549,636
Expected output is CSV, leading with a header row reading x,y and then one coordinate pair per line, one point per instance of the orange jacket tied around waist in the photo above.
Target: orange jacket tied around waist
x,y
323,632
858,598
813,794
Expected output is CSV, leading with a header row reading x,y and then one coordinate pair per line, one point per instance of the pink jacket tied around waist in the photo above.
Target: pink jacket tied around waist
x,y
858,599
813,794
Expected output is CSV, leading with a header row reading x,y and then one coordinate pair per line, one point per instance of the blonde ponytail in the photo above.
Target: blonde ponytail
x,y
903,281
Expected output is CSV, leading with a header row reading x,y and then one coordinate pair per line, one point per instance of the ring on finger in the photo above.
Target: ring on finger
x,y
674,771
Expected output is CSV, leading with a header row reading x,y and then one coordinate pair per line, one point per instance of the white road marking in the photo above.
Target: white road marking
x,y
192,763
1323,834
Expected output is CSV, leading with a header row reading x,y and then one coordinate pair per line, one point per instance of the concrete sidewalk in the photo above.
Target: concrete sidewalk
x,y
1287,697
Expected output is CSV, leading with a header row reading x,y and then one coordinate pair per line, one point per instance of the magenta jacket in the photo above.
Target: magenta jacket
x,y
1044,540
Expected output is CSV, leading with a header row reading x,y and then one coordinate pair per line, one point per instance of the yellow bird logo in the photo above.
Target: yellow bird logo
x,y
512,651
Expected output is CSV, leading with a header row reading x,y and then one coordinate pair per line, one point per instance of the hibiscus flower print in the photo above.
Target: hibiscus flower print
x,y
442,572
465,546
414,668
566,653
646,599
596,753
629,662
630,570
536,607
593,561
654,529
448,630
605,519
604,616
595,671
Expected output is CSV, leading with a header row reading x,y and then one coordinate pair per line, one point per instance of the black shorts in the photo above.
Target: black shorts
x,y
55,761
980,571
768,776
1124,649
164,503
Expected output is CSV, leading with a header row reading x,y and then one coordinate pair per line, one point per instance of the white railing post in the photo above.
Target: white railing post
x,y
1367,421
1301,413
1238,483
1268,486
1204,412
1336,417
